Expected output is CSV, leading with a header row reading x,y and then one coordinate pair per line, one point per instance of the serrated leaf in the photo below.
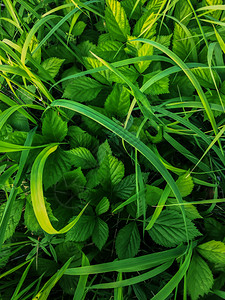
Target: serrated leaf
x,y
159,87
111,171
56,165
51,66
79,137
68,249
155,5
145,26
54,129
182,45
125,187
128,241
129,72
185,185
199,278
145,50
152,195
164,40
214,229
103,150
100,233
102,206
82,89
92,63
73,180
82,230
92,179
116,20
216,13
183,11
118,102
79,28
169,229
110,51
190,210
132,8
14,219
82,157
213,251
205,78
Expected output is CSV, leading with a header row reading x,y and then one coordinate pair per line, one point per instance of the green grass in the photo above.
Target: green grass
x,y
112,149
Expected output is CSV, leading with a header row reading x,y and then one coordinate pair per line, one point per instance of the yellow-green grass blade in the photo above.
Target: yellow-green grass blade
x,y
8,147
81,286
45,291
175,280
12,11
220,40
135,279
7,174
190,76
37,196
136,264
209,201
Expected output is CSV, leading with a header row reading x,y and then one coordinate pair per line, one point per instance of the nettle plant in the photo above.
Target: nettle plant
x,y
112,142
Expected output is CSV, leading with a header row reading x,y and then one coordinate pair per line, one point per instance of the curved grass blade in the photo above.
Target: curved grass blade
x,y
140,263
134,280
37,196
7,174
80,290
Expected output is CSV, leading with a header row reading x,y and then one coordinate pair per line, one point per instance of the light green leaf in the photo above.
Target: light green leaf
x,y
100,233
185,185
169,229
103,150
205,78
116,20
110,51
129,72
93,63
79,28
102,206
111,171
217,12
152,195
190,210
82,89
82,230
51,66
118,102
183,12
145,50
159,87
199,278
125,187
213,251
82,157
146,25
128,241
79,137
54,129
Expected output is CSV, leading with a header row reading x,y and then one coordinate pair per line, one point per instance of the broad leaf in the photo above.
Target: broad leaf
x,y
185,185
73,180
100,233
110,51
199,278
205,78
128,241
81,157
82,89
159,87
111,171
82,230
102,206
145,50
51,66
54,129
190,210
213,251
125,187
103,150
183,12
116,20
65,250
118,102
169,229
145,26
79,137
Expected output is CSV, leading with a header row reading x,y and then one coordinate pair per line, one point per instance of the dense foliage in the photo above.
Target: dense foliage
x,y
112,149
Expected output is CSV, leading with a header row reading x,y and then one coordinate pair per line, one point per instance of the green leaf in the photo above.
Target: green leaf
x,y
132,8
100,233
54,129
103,150
145,26
73,180
93,63
153,195
82,89
199,278
65,250
125,187
169,229
79,28
215,13
190,210
79,137
183,12
56,165
102,206
205,78
81,157
110,51
111,171
145,50
159,87
30,221
118,102
128,71
51,66
213,251
82,230
116,21
14,218
185,185
128,241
